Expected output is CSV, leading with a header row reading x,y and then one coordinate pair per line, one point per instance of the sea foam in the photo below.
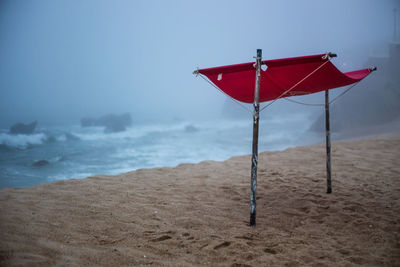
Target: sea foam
x,y
22,141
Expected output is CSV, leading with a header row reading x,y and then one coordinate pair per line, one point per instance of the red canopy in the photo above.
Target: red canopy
x,y
282,78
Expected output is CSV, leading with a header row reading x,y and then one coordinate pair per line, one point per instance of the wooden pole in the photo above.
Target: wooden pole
x,y
254,158
328,145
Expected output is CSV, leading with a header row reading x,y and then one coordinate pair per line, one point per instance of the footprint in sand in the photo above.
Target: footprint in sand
x,y
270,251
247,237
161,238
240,265
304,209
223,245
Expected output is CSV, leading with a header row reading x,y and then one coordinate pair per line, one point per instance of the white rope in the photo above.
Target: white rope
x,y
319,105
302,103
294,86
234,100
348,89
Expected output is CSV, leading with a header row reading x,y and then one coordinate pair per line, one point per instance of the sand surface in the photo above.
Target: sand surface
x,y
198,214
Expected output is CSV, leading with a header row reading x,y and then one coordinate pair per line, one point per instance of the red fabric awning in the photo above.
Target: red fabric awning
x,y
307,75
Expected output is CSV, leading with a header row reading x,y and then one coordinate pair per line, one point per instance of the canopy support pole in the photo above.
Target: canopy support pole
x,y
254,157
328,145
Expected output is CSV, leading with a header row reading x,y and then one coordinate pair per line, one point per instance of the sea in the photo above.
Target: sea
x,y
65,152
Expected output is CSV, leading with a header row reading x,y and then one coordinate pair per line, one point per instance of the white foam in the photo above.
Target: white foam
x,y
21,140
137,131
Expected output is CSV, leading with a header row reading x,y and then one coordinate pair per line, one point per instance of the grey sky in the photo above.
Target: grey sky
x,y
61,60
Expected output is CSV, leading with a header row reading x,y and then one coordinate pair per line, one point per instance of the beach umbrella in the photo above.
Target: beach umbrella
x,y
250,83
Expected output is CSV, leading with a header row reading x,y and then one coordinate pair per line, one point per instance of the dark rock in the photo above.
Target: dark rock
x,y
20,128
71,137
88,122
62,158
191,129
51,139
112,123
40,163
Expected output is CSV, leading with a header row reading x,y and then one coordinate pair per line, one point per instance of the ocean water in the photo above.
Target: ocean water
x,y
75,152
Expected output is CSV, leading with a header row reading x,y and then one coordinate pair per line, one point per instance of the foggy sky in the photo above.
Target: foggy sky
x,y
62,60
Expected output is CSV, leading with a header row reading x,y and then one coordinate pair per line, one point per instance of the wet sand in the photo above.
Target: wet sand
x,y
198,214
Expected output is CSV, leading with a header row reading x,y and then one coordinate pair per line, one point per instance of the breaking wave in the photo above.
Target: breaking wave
x,y
22,141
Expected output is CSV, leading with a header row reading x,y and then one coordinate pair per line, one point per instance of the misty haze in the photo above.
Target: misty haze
x,y
199,133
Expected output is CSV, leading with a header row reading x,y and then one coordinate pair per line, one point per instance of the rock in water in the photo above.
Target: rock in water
x,y
112,123
20,128
88,122
115,123
40,163
71,137
191,129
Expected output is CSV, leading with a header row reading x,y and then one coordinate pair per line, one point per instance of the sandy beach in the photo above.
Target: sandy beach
x,y
198,214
